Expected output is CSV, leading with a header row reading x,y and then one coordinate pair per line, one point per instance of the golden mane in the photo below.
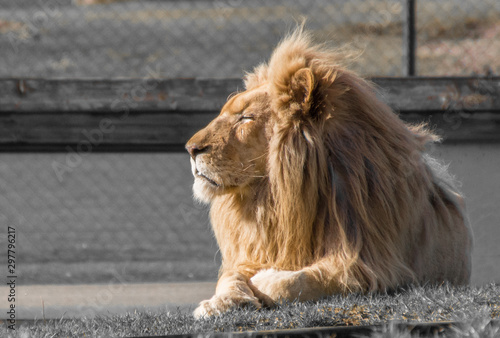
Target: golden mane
x,y
348,197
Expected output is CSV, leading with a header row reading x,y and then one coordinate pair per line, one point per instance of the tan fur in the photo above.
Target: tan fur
x,y
316,187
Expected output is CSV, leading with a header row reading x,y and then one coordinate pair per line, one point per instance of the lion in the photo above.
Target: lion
x,y
316,187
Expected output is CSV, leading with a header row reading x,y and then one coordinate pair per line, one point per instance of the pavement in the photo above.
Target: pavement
x,y
65,301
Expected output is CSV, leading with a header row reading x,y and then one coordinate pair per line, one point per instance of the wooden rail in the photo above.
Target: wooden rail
x,y
161,114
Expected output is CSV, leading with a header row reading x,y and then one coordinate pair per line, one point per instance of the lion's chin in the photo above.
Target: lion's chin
x,y
203,190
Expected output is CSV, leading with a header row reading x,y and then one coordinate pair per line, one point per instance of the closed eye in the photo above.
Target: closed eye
x,y
246,118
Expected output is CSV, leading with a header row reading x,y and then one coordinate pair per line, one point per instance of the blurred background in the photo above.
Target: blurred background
x,y
130,216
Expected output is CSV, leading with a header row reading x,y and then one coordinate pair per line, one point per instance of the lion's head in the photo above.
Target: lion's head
x,y
307,165
229,155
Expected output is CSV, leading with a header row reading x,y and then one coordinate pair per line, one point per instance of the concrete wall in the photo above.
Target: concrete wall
x,y
477,166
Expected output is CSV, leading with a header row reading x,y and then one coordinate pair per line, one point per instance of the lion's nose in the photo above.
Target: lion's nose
x,y
195,149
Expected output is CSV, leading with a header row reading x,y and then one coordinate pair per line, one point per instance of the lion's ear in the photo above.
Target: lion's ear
x,y
302,86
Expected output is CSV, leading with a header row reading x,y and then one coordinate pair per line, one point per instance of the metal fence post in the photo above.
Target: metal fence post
x,y
409,38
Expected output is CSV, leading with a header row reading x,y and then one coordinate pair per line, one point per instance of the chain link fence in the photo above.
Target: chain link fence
x,y
458,38
132,214
128,214
224,38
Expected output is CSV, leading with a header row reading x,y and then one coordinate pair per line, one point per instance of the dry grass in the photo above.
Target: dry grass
x,y
473,307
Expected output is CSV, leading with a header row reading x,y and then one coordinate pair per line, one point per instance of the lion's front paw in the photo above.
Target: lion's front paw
x,y
271,285
221,303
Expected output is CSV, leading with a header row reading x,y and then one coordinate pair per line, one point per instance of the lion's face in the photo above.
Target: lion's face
x,y
230,153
